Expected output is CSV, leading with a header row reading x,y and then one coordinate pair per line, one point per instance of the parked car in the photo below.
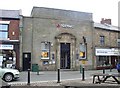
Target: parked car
x,y
9,74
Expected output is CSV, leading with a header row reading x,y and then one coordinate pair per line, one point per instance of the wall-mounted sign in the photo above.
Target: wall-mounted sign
x,y
4,22
107,52
6,47
65,25
83,62
82,52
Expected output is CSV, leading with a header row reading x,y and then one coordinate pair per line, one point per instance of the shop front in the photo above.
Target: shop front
x,y
107,57
8,56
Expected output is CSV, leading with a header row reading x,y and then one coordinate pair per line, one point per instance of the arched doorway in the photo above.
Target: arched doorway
x,y
65,56
65,47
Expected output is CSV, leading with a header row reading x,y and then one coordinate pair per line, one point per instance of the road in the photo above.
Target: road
x,y
53,75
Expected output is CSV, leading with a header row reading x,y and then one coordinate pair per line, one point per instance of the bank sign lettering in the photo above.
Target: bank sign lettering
x,y
3,46
65,25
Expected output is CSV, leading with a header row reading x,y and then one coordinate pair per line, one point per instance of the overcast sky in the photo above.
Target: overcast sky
x,y
99,8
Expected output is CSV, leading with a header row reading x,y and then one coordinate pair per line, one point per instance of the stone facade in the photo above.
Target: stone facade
x,y
110,37
110,34
56,26
60,28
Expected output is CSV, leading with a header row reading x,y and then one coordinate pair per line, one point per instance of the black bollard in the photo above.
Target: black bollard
x,y
110,68
58,76
28,77
103,70
83,74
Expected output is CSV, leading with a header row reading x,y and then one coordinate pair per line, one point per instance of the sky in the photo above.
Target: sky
x,y
100,8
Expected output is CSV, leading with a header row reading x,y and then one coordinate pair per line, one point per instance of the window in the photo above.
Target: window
x,y
102,61
45,49
118,44
3,31
102,40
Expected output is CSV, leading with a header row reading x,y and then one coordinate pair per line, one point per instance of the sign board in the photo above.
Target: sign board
x,y
83,52
107,52
83,62
65,25
6,47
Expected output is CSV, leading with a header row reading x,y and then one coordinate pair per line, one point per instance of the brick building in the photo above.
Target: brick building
x,y
9,38
65,39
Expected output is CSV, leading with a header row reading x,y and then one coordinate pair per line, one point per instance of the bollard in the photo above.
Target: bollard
x,y
110,68
38,69
37,72
103,70
58,76
28,77
83,74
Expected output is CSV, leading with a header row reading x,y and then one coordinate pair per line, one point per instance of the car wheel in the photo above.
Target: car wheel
x,y
8,77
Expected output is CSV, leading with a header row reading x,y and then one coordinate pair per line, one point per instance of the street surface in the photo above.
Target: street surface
x,y
45,76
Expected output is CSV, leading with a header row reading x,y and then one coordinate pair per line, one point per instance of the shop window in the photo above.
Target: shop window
x,y
118,44
7,59
103,61
45,50
3,31
102,40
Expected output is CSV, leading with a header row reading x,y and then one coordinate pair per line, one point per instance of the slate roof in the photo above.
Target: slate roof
x,y
9,13
106,27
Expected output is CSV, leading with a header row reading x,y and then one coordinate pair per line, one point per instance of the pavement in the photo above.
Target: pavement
x,y
72,79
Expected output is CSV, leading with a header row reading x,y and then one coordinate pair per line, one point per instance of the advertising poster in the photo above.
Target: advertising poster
x,y
45,54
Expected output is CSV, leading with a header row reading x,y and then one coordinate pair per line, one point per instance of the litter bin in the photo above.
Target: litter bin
x,y
35,68
81,68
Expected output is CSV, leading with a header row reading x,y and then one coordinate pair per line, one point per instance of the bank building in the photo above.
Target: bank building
x,y
54,38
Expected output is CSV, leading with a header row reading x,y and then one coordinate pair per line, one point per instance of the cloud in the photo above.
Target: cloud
x,y
99,8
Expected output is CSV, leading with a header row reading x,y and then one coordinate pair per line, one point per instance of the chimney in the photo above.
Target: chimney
x,y
107,21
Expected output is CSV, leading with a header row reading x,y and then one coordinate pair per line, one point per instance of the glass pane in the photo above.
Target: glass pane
x,y
102,38
3,35
45,50
4,27
42,46
82,47
47,46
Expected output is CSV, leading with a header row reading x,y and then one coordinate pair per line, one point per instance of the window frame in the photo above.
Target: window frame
x,y
46,49
6,30
102,40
